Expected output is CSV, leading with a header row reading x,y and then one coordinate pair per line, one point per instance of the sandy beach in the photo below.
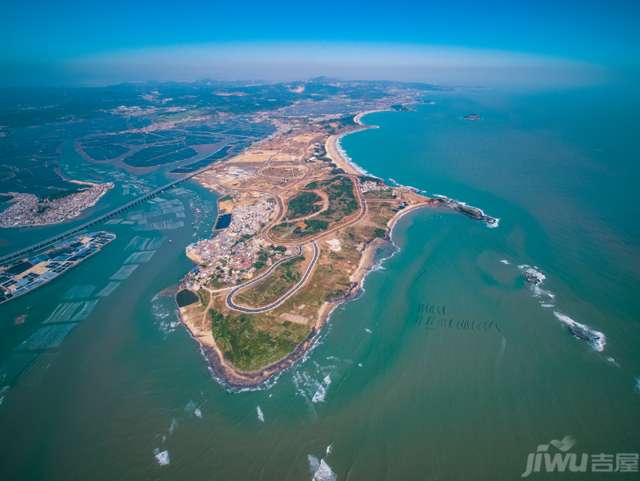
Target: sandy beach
x,y
334,152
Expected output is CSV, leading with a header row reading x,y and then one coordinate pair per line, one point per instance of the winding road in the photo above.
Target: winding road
x,y
316,254
277,303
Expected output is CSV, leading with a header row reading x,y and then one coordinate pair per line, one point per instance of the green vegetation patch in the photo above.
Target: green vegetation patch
x,y
342,203
283,278
302,204
248,345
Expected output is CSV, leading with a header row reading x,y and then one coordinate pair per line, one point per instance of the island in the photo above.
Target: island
x,y
300,229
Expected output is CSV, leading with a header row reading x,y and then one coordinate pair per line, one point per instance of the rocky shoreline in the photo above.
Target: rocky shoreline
x,y
236,380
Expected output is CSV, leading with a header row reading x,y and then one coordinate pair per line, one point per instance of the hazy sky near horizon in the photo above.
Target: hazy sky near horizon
x,y
457,42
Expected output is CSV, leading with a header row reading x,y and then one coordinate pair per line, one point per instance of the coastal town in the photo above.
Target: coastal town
x,y
27,210
235,253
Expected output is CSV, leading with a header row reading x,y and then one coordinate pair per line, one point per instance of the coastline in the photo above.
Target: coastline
x,y
237,380
337,153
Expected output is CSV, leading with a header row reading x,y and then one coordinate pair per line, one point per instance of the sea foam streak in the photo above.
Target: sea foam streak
x,y
260,414
321,392
164,313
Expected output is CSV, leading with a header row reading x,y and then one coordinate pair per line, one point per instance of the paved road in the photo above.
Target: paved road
x,y
255,279
362,212
278,302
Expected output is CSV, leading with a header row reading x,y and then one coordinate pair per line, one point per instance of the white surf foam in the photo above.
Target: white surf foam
x,y
321,393
505,262
349,160
320,470
192,408
535,278
314,464
583,332
165,313
532,274
162,457
494,224
260,414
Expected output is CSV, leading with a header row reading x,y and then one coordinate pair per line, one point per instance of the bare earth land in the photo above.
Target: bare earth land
x,y
306,224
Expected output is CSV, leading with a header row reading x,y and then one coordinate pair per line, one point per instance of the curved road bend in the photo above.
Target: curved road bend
x,y
255,279
358,217
278,302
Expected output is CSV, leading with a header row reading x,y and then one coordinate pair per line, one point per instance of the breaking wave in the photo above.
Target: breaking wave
x,y
320,469
583,332
163,308
162,457
349,160
535,279
313,383
321,393
193,409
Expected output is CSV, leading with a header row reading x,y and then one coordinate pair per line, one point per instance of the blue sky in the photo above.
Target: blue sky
x,y
49,36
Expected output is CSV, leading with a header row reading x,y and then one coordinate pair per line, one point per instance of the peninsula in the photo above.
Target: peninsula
x,y
300,228
27,210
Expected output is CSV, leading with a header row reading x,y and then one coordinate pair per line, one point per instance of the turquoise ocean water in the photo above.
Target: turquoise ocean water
x,y
448,367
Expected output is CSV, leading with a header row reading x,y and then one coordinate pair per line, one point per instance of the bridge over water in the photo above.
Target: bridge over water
x,y
101,218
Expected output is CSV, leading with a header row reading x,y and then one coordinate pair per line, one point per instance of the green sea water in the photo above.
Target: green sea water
x,y
446,368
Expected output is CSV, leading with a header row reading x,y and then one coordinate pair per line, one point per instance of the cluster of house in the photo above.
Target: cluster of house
x,y
234,253
28,210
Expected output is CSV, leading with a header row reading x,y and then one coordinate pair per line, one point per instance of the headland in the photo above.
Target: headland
x,y
306,223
